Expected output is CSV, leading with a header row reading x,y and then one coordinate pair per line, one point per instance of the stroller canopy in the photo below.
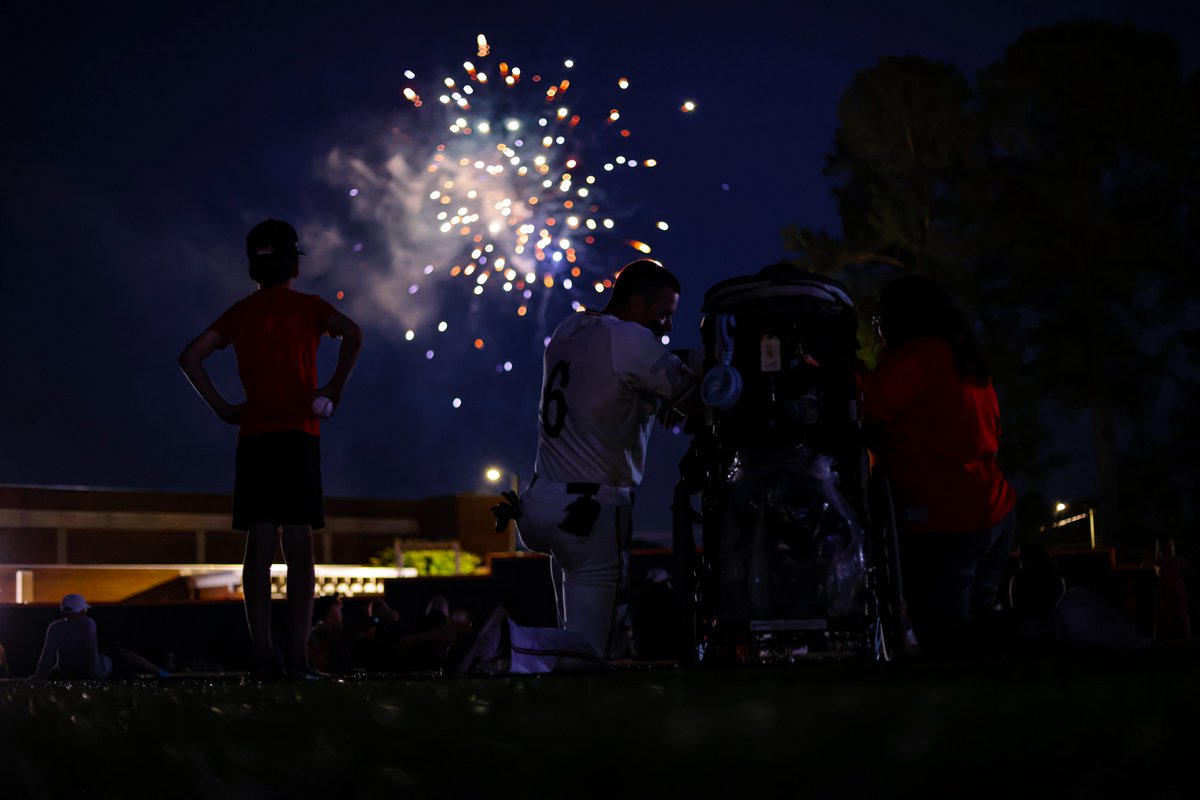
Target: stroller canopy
x,y
777,290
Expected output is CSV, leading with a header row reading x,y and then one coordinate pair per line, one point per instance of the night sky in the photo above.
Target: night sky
x,y
140,145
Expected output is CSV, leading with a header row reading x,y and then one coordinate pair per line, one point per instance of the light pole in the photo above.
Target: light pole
x,y
495,475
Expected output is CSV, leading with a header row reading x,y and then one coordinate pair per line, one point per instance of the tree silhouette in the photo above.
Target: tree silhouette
x,y
1057,201
1082,249
910,159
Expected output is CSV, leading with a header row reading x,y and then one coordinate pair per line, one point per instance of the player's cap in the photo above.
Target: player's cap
x,y
73,604
273,238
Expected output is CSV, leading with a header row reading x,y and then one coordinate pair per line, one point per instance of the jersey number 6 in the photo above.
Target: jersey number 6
x,y
553,397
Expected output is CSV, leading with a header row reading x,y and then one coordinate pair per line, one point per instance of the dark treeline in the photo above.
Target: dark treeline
x,y
1056,198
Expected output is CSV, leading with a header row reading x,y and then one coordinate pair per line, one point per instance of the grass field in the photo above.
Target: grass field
x,y
1112,727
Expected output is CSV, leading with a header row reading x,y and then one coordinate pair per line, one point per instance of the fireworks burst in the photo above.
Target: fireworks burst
x,y
520,187
499,184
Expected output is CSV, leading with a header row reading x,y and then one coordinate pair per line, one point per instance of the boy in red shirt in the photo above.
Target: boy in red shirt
x,y
275,332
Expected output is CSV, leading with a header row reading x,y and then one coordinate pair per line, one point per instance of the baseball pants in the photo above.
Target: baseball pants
x,y
590,566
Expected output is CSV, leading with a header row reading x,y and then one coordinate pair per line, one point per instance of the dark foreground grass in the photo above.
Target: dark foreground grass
x,y
1116,727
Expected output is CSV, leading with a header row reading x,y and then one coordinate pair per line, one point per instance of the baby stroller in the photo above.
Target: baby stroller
x,y
798,551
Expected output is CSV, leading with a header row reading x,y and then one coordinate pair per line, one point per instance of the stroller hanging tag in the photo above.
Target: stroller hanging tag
x,y
769,358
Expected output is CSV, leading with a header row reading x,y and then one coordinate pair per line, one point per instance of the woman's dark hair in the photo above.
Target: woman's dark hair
x,y
1034,555
1035,588
913,306
323,604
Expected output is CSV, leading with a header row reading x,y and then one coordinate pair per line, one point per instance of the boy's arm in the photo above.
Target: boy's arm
x,y
342,327
191,361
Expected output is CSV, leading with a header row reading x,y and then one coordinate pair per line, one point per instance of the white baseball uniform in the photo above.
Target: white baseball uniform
x,y
603,382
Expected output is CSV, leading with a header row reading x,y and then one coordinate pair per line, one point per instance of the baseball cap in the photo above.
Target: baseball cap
x,y
272,237
74,603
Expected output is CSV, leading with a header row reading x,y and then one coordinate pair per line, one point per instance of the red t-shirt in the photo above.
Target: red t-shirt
x,y
275,333
940,434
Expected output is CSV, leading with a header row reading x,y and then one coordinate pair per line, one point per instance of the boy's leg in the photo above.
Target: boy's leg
x,y
261,540
301,590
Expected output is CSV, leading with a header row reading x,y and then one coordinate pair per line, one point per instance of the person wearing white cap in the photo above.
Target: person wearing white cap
x,y
71,645
73,649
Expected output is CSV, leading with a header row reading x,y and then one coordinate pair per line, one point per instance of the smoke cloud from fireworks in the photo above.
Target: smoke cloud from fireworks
x,y
483,196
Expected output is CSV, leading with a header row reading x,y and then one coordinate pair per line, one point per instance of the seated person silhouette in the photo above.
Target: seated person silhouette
x,y
1052,617
71,650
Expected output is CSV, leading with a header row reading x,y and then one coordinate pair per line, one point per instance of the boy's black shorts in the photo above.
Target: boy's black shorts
x,y
278,480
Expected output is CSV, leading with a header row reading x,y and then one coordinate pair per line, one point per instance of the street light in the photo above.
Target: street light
x,y
495,474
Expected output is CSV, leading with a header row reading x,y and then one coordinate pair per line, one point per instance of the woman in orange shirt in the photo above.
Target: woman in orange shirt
x,y
936,422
